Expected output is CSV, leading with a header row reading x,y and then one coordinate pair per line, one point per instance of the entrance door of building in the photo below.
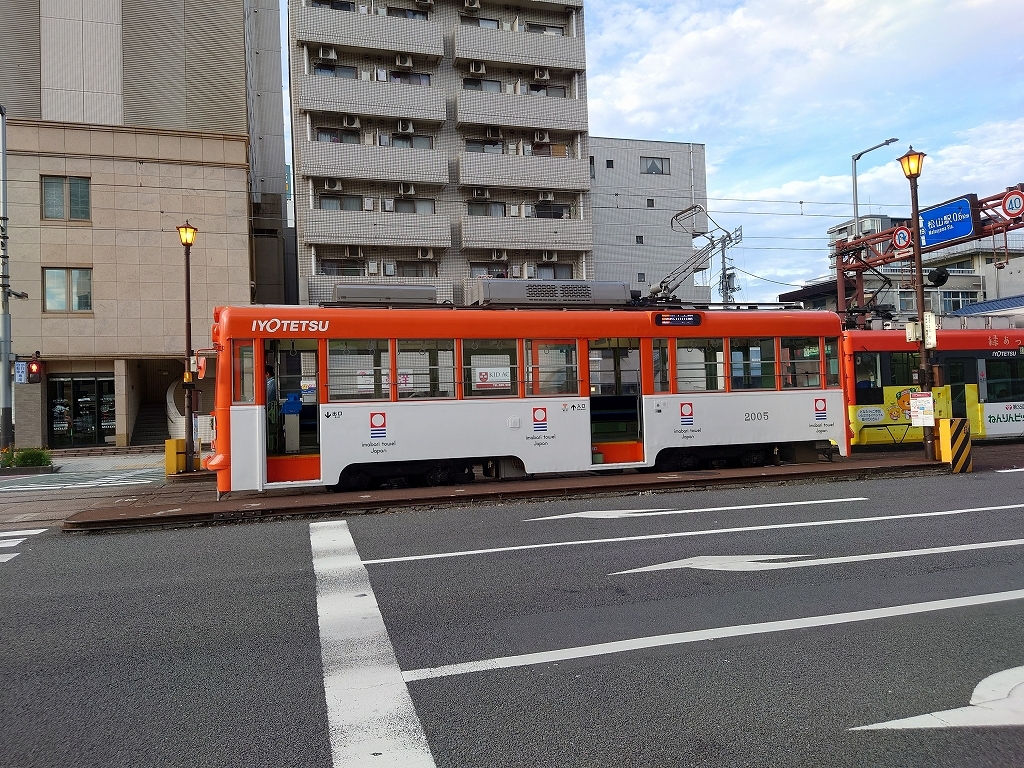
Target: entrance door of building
x,y
81,411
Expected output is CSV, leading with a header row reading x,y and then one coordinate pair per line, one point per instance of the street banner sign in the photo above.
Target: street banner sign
x,y
950,221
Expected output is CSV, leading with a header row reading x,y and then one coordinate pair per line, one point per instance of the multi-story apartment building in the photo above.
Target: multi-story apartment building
x,y
127,118
637,187
438,140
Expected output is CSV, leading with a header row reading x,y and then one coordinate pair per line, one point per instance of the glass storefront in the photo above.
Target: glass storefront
x,y
81,410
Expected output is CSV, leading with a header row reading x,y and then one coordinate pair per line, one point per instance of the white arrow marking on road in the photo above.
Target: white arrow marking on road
x,y
1015,469
756,562
997,700
613,514
5,558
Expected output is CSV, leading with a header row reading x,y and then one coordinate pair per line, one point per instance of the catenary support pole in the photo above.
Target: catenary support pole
x,y
6,409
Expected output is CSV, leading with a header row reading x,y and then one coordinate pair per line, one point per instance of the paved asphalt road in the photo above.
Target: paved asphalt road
x,y
203,646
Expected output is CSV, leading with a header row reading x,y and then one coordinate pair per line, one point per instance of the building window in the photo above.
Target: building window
x,y
486,209
66,197
473,21
337,136
486,146
412,142
488,270
346,203
954,300
539,149
476,84
554,271
908,302
341,268
337,5
410,78
336,70
417,269
655,165
650,202
408,205
609,163
547,210
541,89
67,290
593,175
407,13
641,277
545,29
639,239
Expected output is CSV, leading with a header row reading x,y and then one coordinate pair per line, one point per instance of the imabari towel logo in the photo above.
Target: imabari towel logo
x,y
540,419
290,326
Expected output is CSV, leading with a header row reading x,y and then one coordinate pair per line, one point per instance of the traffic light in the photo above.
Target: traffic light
x,y
35,371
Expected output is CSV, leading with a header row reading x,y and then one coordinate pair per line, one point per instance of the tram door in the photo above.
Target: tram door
x,y
616,425
960,373
293,423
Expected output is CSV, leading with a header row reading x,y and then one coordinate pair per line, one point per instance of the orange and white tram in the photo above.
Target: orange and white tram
x,y
350,397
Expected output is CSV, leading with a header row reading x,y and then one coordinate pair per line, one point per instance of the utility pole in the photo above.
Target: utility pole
x,y
6,410
727,283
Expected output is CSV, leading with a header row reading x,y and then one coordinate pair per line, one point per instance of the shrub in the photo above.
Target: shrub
x,y
32,457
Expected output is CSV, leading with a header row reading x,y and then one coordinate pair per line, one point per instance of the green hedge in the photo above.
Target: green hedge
x,y
32,457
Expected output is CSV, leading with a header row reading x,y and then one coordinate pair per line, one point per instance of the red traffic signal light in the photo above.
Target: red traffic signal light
x,y
35,371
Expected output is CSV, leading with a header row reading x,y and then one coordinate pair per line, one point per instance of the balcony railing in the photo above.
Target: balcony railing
x,y
527,233
375,228
367,31
371,98
520,48
521,111
360,161
523,172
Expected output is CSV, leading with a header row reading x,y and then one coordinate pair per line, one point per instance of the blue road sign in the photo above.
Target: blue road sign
x,y
949,221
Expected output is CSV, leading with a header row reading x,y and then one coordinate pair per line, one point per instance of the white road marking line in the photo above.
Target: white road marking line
x,y
679,534
71,486
998,700
26,532
10,542
755,562
1015,469
369,710
716,633
5,558
613,514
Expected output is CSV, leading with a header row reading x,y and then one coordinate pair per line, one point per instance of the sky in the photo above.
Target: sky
x,y
783,92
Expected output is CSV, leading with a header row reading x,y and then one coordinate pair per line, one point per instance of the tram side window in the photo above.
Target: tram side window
x,y
1005,380
868,375
800,362
903,368
700,365
615,366
244,372
752,363
426,368
832,362
490,367
359,369
662,374
551,368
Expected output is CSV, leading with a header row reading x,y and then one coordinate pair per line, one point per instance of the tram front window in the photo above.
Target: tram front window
x,y
292,396
868,372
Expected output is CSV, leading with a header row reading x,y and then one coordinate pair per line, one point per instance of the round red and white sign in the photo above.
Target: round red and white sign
x,y
377,420
540,414
1013,204
902,237
819,405
686,409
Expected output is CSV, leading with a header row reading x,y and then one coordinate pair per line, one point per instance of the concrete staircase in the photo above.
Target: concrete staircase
x,y
150,425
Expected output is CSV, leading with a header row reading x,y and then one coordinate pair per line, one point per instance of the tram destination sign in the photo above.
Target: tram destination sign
x,y
950,221
678,318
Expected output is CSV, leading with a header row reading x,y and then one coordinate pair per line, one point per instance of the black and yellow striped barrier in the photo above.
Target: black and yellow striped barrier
x,y
954,445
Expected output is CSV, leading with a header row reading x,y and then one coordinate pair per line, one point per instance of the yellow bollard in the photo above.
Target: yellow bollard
x,y
174,457
954,444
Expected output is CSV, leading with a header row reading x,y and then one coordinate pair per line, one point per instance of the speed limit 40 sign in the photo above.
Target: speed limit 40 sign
x,y
1013,204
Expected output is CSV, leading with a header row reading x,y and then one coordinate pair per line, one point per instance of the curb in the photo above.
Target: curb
x,y
260,508
24,471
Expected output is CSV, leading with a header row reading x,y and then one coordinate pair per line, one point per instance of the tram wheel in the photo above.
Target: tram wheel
x,y
752,459
356,480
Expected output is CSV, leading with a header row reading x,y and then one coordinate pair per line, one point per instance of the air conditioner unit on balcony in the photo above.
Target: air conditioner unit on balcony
x,y
481,193
514,210
403,60
405,189
332,184
424,253
472,5
549,255
492,132
541,73
326,52
542,137
477,68
405,126
350,121
353,252
546,197
499,255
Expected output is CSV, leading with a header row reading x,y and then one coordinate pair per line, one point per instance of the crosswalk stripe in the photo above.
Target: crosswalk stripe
x,y
27,532
10,542
5,558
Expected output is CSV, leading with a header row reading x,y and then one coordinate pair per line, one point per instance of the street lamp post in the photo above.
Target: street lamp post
x,y
911,163
858,156
187,235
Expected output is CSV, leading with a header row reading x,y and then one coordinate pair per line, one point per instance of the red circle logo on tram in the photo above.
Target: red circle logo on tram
x,y
686,409
540,414
819,405
377,420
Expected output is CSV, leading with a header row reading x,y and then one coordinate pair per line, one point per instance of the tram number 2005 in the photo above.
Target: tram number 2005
x,y
759,416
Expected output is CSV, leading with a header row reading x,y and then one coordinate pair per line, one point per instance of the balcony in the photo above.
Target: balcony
x,y
523,172
518,111
360,161
370,98
524,49
527,234
375,228
367,32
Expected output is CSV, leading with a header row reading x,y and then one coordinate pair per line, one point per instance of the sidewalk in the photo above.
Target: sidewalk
x,y
202,508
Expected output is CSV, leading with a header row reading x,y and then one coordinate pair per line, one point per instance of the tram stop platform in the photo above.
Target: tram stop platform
x,y
248,506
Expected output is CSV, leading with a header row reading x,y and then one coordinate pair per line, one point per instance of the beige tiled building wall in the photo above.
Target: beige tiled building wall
x,y
143,183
